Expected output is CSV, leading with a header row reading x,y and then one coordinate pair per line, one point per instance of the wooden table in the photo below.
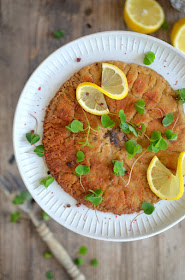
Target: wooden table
x,y
26,39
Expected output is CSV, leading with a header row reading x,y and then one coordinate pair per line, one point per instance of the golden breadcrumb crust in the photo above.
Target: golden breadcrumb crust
x,y
61,145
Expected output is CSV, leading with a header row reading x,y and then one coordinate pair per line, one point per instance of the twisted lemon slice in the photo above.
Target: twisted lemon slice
x,y
114,85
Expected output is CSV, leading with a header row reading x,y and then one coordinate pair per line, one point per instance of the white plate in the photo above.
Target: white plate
x,y
50,75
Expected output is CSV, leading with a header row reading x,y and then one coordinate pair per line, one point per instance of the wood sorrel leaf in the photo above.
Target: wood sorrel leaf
x,y
45,216
106,121
15,217
47,255
149,58
151,148
157,142
39,150
161,144
49,275
59,34
181,95
47,181
148,208
82,250
170,135
80,156
96,192
78,261
140,105
22,197
125,127
156,135
118,168
122,116
133,130
94,262
75,126
25,195
164,26
32,138
95,197
18,200
168,119
132,148
82,170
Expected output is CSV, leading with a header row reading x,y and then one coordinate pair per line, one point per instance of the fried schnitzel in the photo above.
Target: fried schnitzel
x,y
61,145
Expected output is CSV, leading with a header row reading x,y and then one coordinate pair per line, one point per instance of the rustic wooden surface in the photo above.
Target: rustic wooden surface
x,y
25,40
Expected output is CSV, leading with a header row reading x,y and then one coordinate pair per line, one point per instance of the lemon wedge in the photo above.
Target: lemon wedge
x,y
178,35
144,16
114,82
91,98
161,180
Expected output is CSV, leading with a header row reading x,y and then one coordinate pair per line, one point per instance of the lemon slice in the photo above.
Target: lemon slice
x,y
91,98
145,16
178,35
161,180
114,82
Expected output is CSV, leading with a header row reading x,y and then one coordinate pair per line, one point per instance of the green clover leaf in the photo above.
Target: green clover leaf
x,y
164,26
118,168
181,95
133,130
94,262
75,126
15,217
95,197
140,105
82,250
157,142
47,181
78,261
106,121
149,58
39,150
32,138
122,116
148,208
156,135
49,275
47,255
59,34
125,127
22,197
132,148
170,135
80,156
82,170
168,119
45,216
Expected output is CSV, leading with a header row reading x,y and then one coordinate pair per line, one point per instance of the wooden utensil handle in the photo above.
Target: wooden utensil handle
x,y
59,252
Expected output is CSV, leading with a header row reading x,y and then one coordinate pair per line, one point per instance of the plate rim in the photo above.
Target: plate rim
x,y
112,32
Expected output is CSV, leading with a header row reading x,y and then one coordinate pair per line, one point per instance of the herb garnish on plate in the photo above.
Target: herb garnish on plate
x,y
149,58
148,208
95,197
